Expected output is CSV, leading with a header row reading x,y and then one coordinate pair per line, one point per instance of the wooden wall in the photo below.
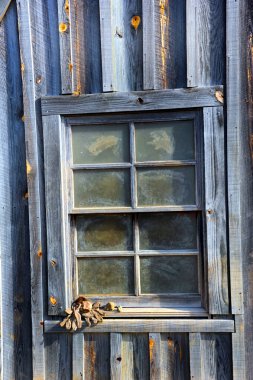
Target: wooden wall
x,y
52,47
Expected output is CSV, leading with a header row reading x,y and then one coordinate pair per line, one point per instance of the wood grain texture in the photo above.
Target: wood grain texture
x,y
77,22
7,318
56,215
164,46
19,225
247,114
131,101
210,356
205,21
147,325
58,355
38,66
116,356
4,5
121,45
215,210
169,356
78,357
97,357
238,350
66,62
234,156
92,48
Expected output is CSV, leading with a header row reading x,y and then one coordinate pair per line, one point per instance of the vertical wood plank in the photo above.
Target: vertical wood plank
x,y
92,48
34,177
58,357
215,210
238,349
76,8
116,356
234,155
205,21
19,225
164,46
210,356
175,356
216,356
6,261
96,356
195,356
56,215
121,45
66,63
155,356
78,357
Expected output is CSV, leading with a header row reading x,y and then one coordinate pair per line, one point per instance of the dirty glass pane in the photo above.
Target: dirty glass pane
x,y
169,274
162,141
166,186
168,231
101,188
113,276
104,233
100,144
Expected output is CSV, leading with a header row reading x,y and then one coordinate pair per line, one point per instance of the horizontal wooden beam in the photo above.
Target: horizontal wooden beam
x,y
132,101
151,325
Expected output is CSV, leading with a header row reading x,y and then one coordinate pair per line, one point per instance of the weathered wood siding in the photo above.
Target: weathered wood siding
x,y
93,46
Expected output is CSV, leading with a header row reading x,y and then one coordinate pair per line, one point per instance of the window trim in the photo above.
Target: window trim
x,y
59,273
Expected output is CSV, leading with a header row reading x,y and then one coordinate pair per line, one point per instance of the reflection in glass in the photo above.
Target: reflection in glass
x,y
169,274
163,231
100,144
162,141
104,233
113,276
101,188
166,186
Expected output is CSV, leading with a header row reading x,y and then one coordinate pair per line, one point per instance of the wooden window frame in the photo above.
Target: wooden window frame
x,y
59,114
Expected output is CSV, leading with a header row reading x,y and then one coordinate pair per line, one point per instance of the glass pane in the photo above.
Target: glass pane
x,y
101,188
168,231
114,276
173,186
100,144
104,233
162,141
169,274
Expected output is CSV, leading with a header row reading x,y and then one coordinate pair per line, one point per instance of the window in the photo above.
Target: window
x,y
128,190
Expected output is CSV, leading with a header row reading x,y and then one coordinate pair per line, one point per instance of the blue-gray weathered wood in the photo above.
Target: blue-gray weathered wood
x,y
121,45
215,210
164,44
3,8
19,205
78,357
39,61
131,101
7,304
58,355
149,325
56,214
205,42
